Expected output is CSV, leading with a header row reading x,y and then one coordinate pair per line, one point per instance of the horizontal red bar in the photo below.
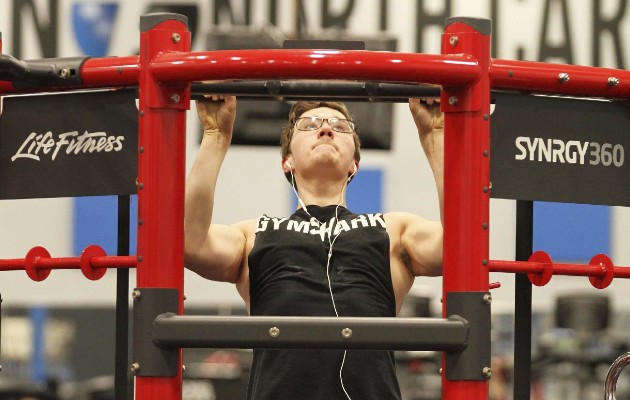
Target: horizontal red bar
x,y
565,79
449,70
528,267
15,264
114,262
95,73
70,263
110,71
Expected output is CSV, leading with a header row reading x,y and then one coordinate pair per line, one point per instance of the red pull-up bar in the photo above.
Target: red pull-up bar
x,y
446,70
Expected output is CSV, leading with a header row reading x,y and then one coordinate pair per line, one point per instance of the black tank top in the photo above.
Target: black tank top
x,y
287,272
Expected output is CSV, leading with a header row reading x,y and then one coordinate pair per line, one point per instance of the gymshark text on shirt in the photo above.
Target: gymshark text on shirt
x,y
315,227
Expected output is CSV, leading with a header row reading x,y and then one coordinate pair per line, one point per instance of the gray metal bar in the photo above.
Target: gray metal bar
x,y
613,374
315,90
174,331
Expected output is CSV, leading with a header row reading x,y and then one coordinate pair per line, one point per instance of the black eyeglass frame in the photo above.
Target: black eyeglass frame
x,y
327,120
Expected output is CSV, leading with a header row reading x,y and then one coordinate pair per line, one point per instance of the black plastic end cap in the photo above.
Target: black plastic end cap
x,y
481,25
148,21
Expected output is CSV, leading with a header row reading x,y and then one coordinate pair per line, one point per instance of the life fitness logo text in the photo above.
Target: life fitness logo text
x,y
46,144
569,152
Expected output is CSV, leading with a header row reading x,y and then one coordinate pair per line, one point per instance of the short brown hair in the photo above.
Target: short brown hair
x,y
296,112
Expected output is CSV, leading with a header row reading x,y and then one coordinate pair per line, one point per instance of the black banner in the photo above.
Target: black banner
x,y
68,145
560,149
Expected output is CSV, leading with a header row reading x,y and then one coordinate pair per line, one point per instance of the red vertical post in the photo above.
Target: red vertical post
x,y
161,170
466,179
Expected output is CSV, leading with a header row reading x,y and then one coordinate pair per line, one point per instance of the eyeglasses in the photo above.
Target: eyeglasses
x,y
313,123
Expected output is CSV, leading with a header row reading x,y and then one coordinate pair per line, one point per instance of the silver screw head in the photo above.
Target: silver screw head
x,y
487,372
136,294
176,37
64,73
563,77
346,333
274,332
175,98
135,367
453,40
487,298
613,81
453,100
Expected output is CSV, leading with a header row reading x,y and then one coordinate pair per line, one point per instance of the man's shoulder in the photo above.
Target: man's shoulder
x,y
247,226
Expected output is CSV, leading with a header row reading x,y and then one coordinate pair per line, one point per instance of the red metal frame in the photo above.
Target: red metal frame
x,y
447,70
466,173
165,67
39,259
161,170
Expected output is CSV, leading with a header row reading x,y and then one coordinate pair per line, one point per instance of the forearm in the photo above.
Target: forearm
x,y
434,150
200,189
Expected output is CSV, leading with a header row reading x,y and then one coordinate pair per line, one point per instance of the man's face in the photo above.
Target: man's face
x,y
324,146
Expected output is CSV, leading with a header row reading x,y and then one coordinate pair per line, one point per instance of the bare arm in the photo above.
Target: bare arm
x,y
430,123
213,251
421,242
421,239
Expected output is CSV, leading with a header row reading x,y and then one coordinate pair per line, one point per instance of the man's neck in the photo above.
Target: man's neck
x,y
322,192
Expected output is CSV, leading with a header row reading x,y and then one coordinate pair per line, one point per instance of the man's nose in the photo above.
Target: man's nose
x,y
325,130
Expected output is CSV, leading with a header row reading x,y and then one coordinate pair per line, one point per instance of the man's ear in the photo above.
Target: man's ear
x,y
287,166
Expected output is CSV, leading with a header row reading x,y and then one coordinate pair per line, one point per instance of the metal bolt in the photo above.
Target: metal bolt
x,y
440,371
184,297
139,258
135,367
484,225
183,367
141,149
453,40
487,372
612,81
510,73
140,222
140,185
64,73
136,294
274,332
485,189
485,153
176,37
453,100
487,298
142,113
484,262
175,98
346,333
563,77
485,117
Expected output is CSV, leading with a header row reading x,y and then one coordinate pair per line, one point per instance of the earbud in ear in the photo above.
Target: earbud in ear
x,y
353,173
288,165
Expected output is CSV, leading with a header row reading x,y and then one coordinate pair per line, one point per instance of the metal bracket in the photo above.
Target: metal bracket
x,y
47,72
148,358
473,363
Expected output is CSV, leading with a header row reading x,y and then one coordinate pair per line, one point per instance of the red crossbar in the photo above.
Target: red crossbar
x,y
93,263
